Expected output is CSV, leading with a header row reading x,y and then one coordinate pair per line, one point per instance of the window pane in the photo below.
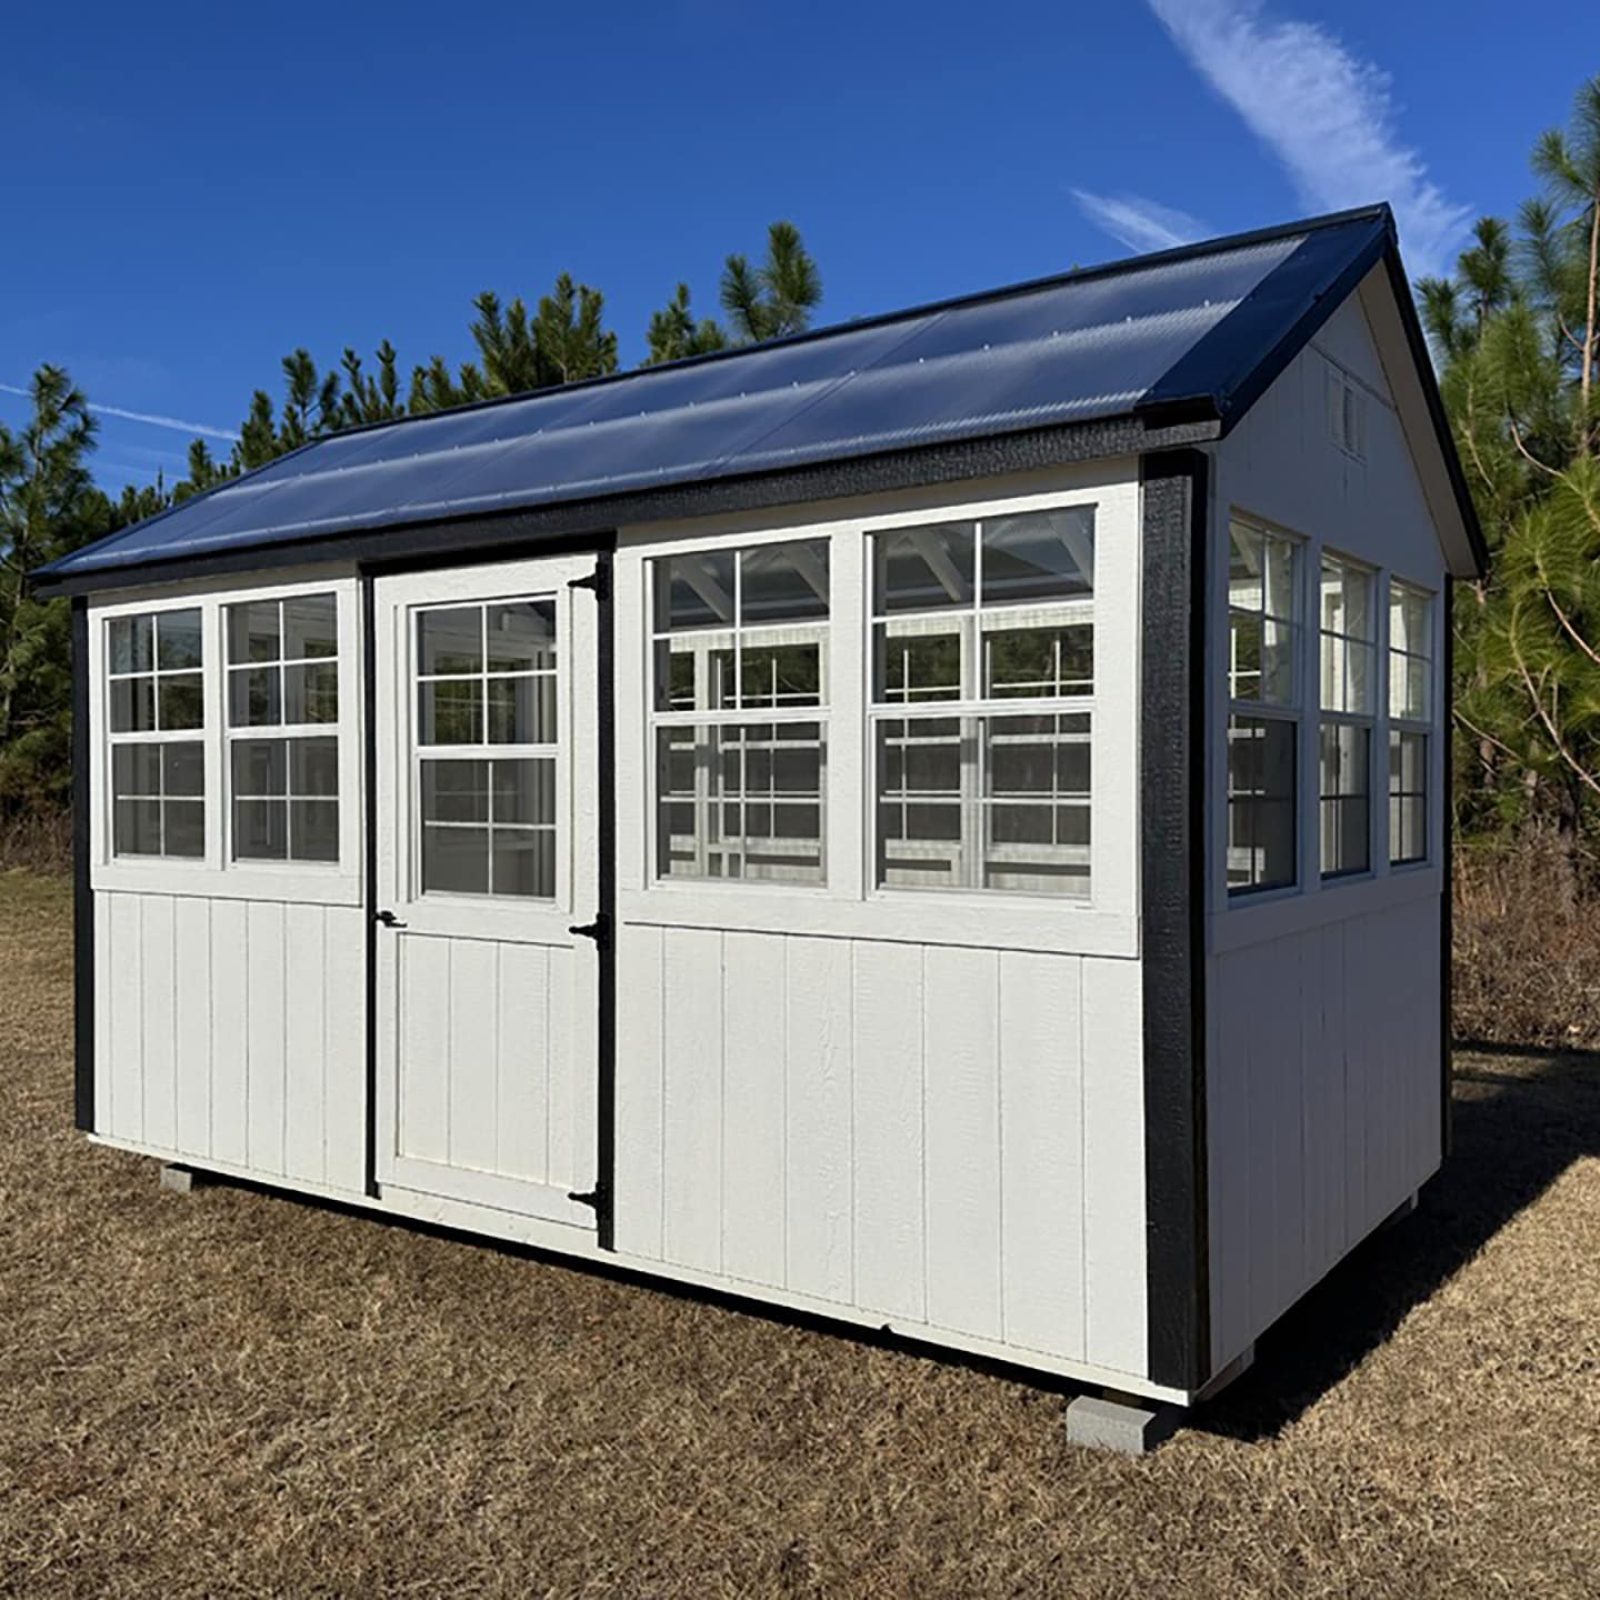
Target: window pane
x,y
177,639
1035,662
1408,796
183,769
133,705
451,711
522,710
183,827
741,802
130,641
1344,789
253,631
450,641
1408,620
260,830
310,627
253,697
925,569
1408,687
182,703
314,830
524,791
455,860
523,862
919,769
694,591
314,766
311,693
522,636
1261,803
260,768
1036,803
455,791
135,770
1038,555
919,661
136,827
783,582
781,675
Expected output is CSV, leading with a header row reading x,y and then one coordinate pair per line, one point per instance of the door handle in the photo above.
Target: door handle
x,y
388,919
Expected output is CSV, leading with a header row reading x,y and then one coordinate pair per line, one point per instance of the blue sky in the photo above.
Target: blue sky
x,y
190,192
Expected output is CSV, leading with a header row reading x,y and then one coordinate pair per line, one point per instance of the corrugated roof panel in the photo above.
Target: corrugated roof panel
x,y
1082,347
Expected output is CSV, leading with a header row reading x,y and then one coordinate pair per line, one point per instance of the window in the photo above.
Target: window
x,y
486,753
983,703
1347,660
283,675
740,719
156,704
1347,413
1264,709
1410,720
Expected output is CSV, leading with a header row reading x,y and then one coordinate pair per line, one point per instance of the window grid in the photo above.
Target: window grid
x,y
1410,701
1265,710
962,827
486,806
1347,652
156,778
268,823
740,721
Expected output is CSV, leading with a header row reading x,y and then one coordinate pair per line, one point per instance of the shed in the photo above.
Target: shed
x,y
937,823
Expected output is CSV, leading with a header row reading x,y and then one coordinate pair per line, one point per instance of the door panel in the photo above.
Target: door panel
x,y
487,854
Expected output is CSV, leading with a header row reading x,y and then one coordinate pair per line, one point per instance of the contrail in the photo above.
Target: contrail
x,y
177,424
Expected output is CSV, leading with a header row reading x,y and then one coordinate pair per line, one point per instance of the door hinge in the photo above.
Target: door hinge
x,y
599,930
596,1198
599,580
388,919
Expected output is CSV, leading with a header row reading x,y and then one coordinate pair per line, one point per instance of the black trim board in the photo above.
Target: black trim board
x,y
369,828
82,888
1447,894
606,952
1172,841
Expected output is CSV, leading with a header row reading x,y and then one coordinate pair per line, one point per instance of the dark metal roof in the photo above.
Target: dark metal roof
x,y
1190,335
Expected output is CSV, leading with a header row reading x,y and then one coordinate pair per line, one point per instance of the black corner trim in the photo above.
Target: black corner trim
x,y
369,767
605,947
1172,723
1447,894
83,973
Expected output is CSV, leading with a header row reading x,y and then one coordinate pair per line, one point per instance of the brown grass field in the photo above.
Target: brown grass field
x,y
238,1394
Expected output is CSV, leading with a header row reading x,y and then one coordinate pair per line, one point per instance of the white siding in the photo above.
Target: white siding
x,y
1323,1077
910,1129
234,1032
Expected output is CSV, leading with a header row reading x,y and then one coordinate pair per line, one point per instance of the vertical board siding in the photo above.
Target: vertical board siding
x,y
522,1056
691,976
234,1032
961,1068
889,1130
902,1128
641,1069
1323,1082
1041,1141
754,1062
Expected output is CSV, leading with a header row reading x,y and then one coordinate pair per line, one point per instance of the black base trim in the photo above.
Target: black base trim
x,y
1172,843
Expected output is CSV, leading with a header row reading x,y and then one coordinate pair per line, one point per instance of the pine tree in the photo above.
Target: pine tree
x,y
776,298
674,333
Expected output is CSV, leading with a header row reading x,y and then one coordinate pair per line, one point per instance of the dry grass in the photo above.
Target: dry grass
x,y
236,1394
1527,946
39,840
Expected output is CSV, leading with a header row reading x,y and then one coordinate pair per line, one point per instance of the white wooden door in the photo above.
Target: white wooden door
x,y
486,830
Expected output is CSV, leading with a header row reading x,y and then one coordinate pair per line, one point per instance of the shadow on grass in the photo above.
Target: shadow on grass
x,y
1515,1133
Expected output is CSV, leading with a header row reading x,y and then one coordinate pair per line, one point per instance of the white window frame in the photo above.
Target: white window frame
x,y
1429,725
214,874
1303,556
848,904
1364,719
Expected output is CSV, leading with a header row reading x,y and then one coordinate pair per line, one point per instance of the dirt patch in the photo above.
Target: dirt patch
x,y
238,1394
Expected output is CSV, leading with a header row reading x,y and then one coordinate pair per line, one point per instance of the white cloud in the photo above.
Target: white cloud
x,y
1138,223
177,424
1326,114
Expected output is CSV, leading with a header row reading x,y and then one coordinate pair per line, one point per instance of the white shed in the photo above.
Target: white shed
x,y
937,823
